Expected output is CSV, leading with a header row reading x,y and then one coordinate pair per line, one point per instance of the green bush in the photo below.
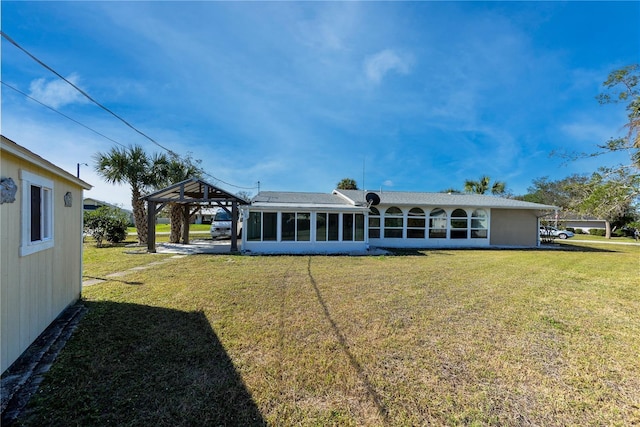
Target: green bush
x,y
106,223
597,232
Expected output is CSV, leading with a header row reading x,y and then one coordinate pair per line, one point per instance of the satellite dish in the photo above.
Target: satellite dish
x,y
372,199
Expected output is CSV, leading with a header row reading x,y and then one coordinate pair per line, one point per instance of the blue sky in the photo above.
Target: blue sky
x,y
405,96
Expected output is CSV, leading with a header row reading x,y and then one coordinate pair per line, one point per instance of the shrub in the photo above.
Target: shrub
x,y
597,232
106,223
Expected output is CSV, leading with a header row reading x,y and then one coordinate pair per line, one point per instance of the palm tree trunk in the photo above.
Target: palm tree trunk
x,y
139,215
175,217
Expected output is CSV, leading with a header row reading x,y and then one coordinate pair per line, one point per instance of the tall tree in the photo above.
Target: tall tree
x,y
347,184
484,185
562,193
171,171
608,194
622,87
130,166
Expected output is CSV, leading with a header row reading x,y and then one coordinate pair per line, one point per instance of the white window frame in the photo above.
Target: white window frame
x,y
46,241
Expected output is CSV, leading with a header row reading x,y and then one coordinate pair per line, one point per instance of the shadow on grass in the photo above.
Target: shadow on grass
x,y
131,364
554,247
375,397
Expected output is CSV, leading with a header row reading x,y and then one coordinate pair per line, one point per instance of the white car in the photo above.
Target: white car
x,y
549,231
221,225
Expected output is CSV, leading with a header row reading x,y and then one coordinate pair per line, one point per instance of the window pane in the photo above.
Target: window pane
x,y
347,227
359,227
459,213
374,222
393,233
333,227
415,222
393,222
288,226
416,212
270,231
374,211
413,233
438,233
459,234
304,226
479,223
374,233
478,234
46,213
393,211
458,223
36,214
253,226
321,227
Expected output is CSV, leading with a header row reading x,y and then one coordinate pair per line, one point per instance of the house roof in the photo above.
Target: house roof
x,y
296,199
401,198
25,154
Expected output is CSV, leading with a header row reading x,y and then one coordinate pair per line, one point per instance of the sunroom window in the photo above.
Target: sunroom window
x,y
374,223
459,224
479,224
438,224
416,224
393,223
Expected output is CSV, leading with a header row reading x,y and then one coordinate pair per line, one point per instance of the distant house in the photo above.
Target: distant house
x,y
90,204
353,220
40,246
584,223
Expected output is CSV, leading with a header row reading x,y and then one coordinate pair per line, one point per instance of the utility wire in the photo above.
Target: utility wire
x,y
86,95
61,113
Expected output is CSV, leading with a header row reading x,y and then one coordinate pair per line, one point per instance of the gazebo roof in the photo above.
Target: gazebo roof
x,y
194,191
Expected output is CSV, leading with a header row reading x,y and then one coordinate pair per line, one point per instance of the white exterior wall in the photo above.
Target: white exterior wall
x,y
426,242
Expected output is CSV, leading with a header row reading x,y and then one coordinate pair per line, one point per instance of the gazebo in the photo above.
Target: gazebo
x,y
191,194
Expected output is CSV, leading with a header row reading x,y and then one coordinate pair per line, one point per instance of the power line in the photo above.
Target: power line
x,y
61,113
86,95
104,136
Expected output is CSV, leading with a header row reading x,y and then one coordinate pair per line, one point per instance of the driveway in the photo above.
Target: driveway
x,y
197,246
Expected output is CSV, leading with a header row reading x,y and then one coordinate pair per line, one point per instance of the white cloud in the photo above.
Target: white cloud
x,y
378,65
56,93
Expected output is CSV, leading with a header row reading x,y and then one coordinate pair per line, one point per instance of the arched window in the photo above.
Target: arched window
x,y
416,224
374,223
459,224
438,224
393,223
479,224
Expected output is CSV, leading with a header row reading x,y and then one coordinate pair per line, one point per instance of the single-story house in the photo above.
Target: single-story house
x,y
346,221
40,246
90,204
584,223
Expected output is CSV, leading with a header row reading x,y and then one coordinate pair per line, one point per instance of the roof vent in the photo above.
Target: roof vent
x,y
372,199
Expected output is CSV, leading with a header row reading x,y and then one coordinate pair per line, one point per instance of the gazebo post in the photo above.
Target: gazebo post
x,y
185,224
234,226
151,226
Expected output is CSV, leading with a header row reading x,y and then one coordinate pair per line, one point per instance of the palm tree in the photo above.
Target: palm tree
x,y
131,166
483,185
172,171
347,184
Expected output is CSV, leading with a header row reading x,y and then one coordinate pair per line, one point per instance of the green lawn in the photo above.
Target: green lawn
x,y
470,337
